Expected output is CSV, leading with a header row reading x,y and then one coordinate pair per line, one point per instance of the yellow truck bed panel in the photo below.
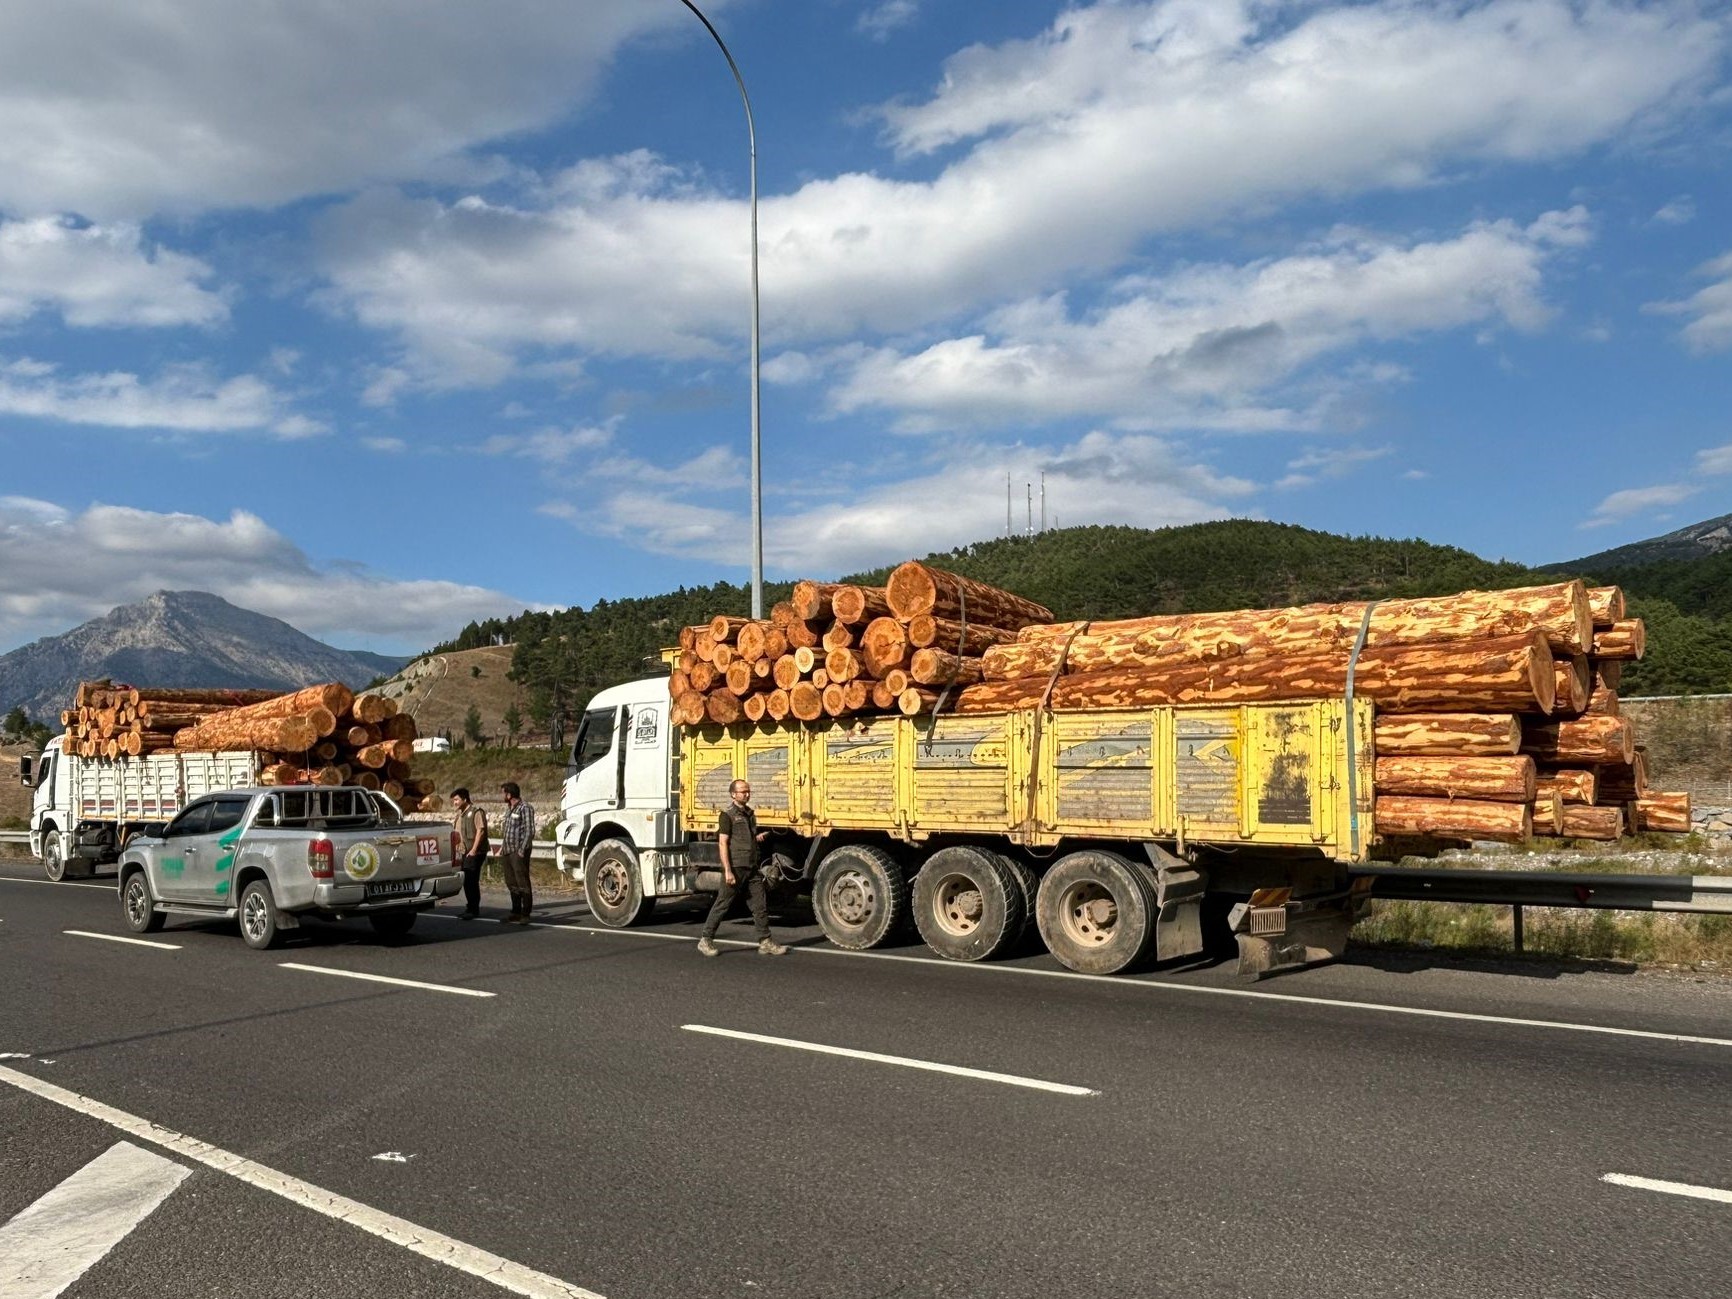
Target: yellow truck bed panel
x,y
1255,774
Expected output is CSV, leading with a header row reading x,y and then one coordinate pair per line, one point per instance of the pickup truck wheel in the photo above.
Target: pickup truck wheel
x,y
137,907
968,903
258,914
1097,912
860,897
392,924
54,856
613,885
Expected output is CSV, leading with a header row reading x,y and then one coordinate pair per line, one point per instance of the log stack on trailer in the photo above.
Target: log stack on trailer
x,y
322,735
1497,711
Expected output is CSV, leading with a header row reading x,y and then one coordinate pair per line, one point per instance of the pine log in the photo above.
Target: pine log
x,y
1581,822
782,613
1622,642
1669,813
776,704
688,709
724,628
366,779
688,638
750,641
359,736
858,694
786,672
1575,684
739,677
393,790
936,667
325,721
678,684
377,755
394,770
858,604
1606,603
884,645
915,588
916,700
820,677
805,659
811,600
883,697
706,646
753,707
1548,812
1437,734
839,636
325,752
723,657
229,731
703,678
1571,784
1603,701
844,665
1457,818
1507,779
775,643
371,709
763,674
687,660
279,773
1591,738
806,701
898,680
1607,672
803,634
1623,782
835,701
971,641
1505,674
722,708
226,698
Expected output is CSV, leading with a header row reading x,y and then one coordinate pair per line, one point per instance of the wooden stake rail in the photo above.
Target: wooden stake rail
x,y
1497,711
322,735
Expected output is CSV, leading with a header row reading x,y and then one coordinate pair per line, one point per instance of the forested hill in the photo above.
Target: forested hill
x,y
1119,572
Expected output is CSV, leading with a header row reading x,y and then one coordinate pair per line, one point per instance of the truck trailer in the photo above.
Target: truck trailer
x,y
1116,834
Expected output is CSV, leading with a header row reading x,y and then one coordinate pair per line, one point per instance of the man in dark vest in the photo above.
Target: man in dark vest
x,y
738,837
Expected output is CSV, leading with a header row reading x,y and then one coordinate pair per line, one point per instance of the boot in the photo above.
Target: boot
x,y
769,947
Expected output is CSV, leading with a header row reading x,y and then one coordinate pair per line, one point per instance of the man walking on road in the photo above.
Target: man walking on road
x,y
472,850
517,834
738,837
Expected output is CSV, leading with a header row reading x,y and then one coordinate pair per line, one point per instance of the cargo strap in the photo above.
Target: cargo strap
x,y
1028,820
961,640
1352,758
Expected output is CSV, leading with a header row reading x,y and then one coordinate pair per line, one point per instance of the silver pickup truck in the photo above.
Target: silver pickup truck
x,y
267,857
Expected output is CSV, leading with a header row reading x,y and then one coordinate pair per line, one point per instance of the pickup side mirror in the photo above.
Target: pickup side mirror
x,y
27,771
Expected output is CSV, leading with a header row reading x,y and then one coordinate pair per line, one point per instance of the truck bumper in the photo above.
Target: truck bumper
x,y
352,899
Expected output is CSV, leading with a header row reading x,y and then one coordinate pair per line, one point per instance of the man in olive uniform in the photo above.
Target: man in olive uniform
x,y
738,837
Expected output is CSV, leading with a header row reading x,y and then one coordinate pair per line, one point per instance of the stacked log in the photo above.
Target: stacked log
x,y
1496,711
322,735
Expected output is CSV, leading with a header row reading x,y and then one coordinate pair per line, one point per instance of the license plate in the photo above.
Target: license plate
x,y
393,888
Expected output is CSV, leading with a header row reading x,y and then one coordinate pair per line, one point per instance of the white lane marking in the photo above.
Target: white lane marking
x,y
985,1075
1669,1188
1118,981
393,1157
53,1242
502,1272
385,978
116,938
57,884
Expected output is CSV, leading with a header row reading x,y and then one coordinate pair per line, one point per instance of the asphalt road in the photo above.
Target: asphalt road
x,y
1377,1128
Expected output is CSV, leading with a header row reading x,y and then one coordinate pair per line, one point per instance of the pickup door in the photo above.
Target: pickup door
x,y
196,861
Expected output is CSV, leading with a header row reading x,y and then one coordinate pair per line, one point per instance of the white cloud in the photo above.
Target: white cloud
x,y
384,385
94,276
1710,327
386,446
1638,500
955,498
1320,463
183,399
879,20
128,109
1209,345
58,569
1679,212
1715,460
548,445
1123,123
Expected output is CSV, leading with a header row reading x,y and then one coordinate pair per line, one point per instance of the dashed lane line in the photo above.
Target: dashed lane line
x,y
874,1057
492,1268
51,1243
1669,1188
116,938
385,978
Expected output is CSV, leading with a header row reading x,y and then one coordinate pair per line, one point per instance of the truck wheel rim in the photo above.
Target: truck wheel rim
x,y
137,902
957,905
1088,914
253,915
852,900
611,885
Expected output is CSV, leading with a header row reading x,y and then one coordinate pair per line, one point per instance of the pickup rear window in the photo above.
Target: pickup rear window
x,y
326,809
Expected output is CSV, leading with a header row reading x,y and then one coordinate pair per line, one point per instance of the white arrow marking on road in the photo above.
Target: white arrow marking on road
x,y
53,1242
383,978
394,1157
501,1272
1013,1080
1669,1188
116,938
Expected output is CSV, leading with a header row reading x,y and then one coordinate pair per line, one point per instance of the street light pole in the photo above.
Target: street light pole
x,y
757,472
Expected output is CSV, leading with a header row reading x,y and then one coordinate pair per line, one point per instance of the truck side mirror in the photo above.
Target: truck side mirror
x,y
26,771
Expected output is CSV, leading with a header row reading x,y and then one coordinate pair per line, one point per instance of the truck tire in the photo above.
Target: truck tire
x,y
968,903
860,897
54,855
1029,885
137,906
613,885
1097,912
258,916
392,924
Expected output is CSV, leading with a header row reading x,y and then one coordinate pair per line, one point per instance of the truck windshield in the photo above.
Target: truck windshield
x,y
594,738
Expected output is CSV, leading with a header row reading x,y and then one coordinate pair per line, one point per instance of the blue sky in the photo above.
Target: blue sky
x,y
384,316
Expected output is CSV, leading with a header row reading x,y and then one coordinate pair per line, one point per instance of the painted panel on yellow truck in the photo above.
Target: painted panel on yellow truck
x,y
1251,774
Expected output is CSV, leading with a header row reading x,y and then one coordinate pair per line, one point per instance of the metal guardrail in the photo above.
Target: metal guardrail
x,y
14,836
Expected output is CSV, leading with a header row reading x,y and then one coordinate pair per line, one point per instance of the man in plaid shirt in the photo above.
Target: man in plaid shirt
x,y
518,834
